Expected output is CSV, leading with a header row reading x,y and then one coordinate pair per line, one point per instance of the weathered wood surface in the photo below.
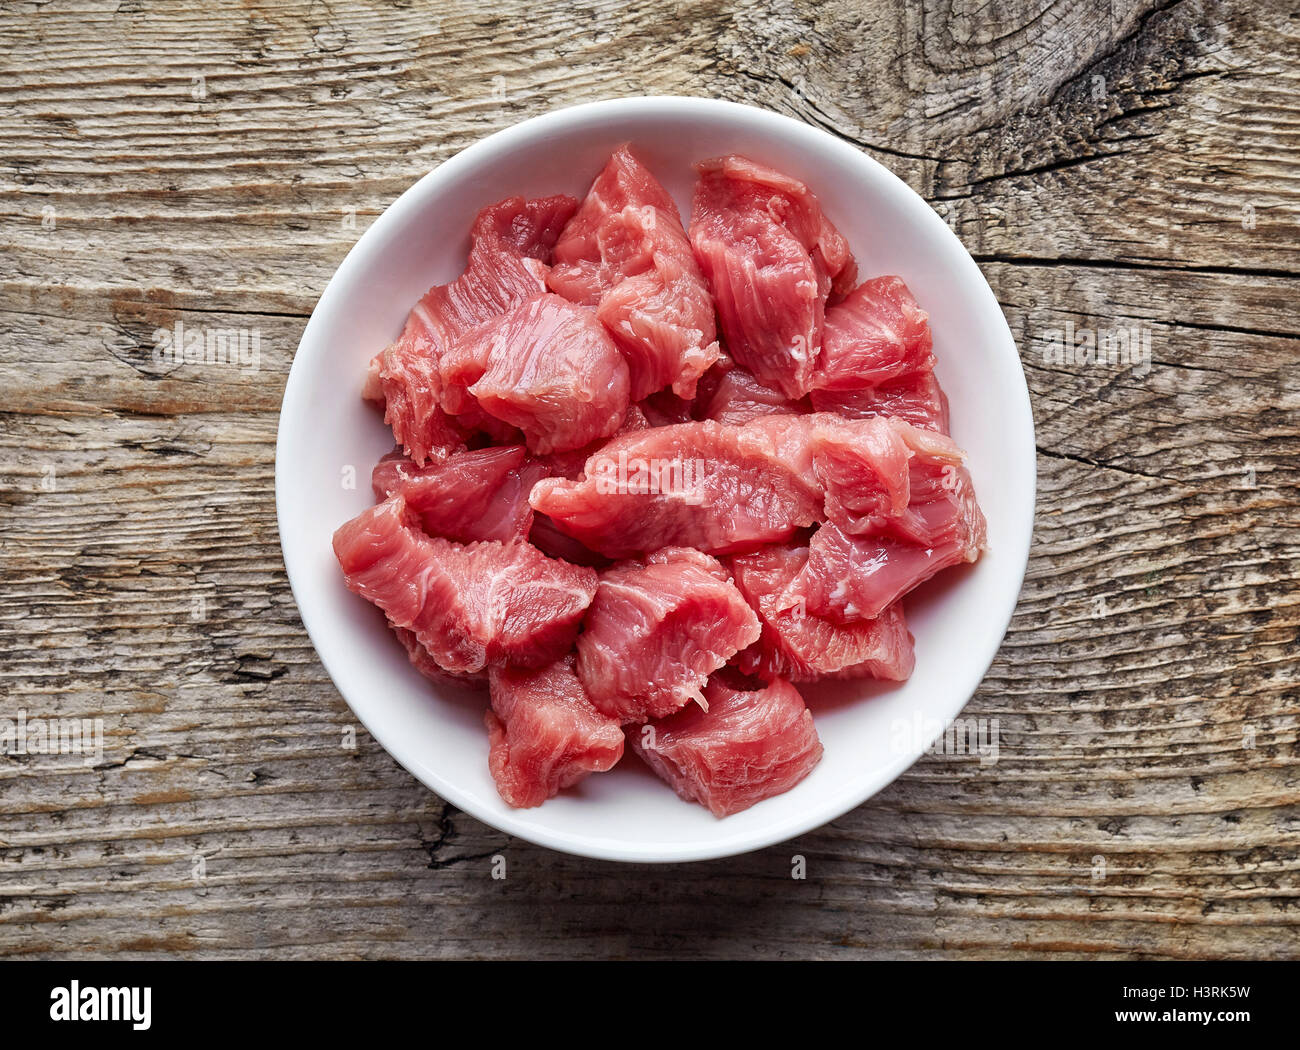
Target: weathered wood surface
x,y
1110,164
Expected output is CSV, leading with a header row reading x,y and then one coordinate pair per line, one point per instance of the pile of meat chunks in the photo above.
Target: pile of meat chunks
x,y
650,477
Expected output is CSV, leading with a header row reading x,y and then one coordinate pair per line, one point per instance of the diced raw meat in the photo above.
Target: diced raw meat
x,y
800,645
849,578
505,268
469,605
476,495
941,506
424,662
916,398
410,390
772,260
493,282
724,489
624,182
566,405
702,485
746,747
509,241
525,227
738,397
855,577
544,735
663,322
545,535
547,367
625,253
865,466
747,182
657,629
570,463
877,334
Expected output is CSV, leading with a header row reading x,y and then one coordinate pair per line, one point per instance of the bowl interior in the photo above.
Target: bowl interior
x,y
871,732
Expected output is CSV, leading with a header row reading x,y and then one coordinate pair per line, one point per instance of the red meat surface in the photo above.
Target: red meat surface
x,y
915,398
410,390
657,629
470,605
800,645
528,228
705,485
543,733
476,495
724,488
423,661
877,334
737,397
509,242
547,367
772,260
866,466
747,746
849,578
626,254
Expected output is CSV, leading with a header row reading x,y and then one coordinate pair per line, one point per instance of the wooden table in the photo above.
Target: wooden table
x,y
1110,165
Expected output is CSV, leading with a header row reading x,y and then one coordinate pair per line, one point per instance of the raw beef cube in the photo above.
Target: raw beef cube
x,y
545,535
626,254
725,489
737,397
800,645
547,367
423,661
410,391
528,228
865,466
915,398
623,183
570,463
469,605
544,735
747,746
663,322
505,268
704,485
772,260
851,578
941,508
476,495
877,334
509,242
855,571
657,629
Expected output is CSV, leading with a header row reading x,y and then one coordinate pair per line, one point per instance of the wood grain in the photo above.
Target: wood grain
x,y
1109,164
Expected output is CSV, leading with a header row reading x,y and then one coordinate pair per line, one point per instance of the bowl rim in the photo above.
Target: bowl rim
x,y
829,806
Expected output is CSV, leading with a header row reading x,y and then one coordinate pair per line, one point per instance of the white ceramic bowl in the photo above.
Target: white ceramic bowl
x,y
870,732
